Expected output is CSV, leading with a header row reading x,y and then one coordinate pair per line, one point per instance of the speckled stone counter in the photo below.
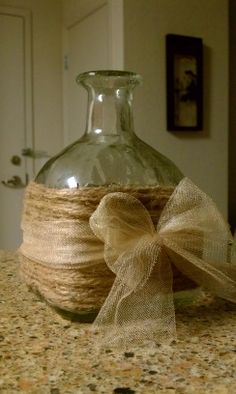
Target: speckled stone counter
x,y
42,353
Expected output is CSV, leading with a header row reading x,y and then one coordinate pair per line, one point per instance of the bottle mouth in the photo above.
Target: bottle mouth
x,y
109,78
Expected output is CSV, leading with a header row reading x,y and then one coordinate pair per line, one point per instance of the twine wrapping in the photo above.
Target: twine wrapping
x,y
191,238
191,234
61,258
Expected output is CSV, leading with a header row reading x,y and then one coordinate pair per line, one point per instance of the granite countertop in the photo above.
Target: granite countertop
x,y
42,353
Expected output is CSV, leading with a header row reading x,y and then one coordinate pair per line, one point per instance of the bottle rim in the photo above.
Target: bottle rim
x,y
127,77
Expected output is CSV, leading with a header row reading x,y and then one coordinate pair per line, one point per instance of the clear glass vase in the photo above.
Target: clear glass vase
x,y
109,152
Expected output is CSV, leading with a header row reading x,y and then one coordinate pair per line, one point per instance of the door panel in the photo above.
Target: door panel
x,y
87,49
13,127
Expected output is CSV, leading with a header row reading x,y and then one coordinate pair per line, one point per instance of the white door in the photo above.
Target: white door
x,y
15,121
87,49
93,43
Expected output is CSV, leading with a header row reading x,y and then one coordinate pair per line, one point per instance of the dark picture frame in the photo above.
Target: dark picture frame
x,y
184,83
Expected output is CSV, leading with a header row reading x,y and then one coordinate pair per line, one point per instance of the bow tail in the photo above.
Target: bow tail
x,y
217,278
139,308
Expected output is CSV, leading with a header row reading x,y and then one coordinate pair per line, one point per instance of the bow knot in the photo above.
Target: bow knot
x,y
191,234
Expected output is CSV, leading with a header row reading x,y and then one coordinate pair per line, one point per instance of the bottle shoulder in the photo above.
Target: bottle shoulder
x,y
159,162
107,161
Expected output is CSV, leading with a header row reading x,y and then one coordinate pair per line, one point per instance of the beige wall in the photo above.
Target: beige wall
x,y
47,71
202,156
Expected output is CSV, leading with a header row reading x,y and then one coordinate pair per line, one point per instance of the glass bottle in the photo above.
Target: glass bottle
x,y
109,152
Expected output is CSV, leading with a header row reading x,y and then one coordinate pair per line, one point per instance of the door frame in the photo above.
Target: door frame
x,y
26,16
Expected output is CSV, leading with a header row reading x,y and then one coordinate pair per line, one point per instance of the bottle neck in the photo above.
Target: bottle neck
x,y
110,97
109,112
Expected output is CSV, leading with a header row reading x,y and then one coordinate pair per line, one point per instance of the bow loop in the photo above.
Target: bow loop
x,y
120,221
190,210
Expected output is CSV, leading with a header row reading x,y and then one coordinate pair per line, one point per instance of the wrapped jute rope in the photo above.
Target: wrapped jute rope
x,y
61,258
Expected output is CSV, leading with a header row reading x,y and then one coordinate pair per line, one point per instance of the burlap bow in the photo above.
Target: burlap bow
x,y
191,234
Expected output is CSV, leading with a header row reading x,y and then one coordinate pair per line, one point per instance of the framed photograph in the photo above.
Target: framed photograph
x,y
184,66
